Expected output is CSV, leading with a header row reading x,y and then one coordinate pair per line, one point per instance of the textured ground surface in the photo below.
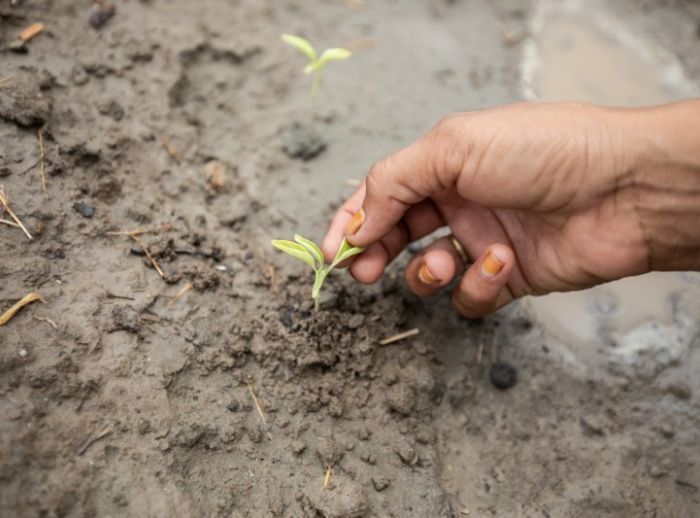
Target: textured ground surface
x,y
117,401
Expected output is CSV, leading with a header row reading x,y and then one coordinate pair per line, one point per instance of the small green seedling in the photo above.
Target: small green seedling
x,y
316,63
311,254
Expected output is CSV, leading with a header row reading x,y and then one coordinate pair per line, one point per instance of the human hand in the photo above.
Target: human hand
x,y
543,197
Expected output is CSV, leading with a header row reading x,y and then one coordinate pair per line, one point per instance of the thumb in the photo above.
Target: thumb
x,y
403,179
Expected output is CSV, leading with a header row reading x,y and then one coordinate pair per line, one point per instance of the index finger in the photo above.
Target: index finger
x,y
400,181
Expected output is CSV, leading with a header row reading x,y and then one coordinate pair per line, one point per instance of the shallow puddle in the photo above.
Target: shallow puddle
x,y
576,57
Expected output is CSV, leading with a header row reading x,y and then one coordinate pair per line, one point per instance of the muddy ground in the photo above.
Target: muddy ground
x,y
117,400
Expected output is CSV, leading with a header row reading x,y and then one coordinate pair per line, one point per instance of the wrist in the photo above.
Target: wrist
x,y
665,181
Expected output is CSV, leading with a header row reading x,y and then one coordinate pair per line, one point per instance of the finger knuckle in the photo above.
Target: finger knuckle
x,y
465,306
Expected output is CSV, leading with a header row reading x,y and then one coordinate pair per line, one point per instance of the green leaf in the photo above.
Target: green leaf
x,y
312,248
295,250
334,54
346,251
301,44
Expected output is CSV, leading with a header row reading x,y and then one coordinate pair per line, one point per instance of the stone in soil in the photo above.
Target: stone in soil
x,y
126,318
380,483
346,499
303,142
85,210
22,100
100,16
503,376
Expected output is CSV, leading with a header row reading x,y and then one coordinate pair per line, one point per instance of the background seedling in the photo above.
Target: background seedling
x,y
311,254
316,62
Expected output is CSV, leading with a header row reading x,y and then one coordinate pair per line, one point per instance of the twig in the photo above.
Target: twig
x,y
31,31
138,231
272,275
6,79
9,223
42,159
187,287
111,295
494,349
259,408
148,254
327,478
400,336
47,320
480,352
10,313
134,234
6,206
93,439
172,150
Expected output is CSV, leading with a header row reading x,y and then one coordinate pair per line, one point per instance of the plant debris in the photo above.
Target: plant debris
x,y
31,31
42,159
10,313
171,149
399,336
259,409
185,289
93,439
6,206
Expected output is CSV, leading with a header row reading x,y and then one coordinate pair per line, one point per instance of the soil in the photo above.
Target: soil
x,y
120,398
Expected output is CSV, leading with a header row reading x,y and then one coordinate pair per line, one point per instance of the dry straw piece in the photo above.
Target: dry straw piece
x,y
10,313
6,205
186,288
42,159
31,31
400,336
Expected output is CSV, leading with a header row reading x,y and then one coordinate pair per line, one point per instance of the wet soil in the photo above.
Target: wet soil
x,y
214,389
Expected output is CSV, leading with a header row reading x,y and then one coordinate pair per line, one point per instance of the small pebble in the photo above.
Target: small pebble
x,y
503,376
233,406
380,483
23,353
101,16
85,210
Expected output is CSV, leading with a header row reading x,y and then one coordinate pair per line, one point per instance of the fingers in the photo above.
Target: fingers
x,y
419,221
483,288
402,180
434,268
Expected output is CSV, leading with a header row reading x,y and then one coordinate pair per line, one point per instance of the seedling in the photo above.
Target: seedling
x,y
316,62
311,254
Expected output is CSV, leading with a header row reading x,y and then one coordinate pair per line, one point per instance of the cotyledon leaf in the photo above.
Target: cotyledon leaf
x,y
312,248
295,250
301,44
334,54
346,251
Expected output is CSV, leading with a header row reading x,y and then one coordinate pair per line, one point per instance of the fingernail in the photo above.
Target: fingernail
x,y
426,276
355,223
491,265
